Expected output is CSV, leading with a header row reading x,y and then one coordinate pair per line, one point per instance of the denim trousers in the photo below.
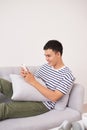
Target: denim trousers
x,y
17,109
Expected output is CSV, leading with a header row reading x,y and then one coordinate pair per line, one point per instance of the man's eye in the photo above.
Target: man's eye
x,y
48,56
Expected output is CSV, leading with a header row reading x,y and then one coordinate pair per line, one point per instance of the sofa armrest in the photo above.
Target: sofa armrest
x,y
76,98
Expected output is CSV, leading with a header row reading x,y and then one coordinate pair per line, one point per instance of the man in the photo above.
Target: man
x,y
58,80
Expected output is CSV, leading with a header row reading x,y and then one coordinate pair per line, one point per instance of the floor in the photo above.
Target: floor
x,y
85,108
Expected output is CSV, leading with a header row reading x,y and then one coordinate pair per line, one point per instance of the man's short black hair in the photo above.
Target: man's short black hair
x,y
54,45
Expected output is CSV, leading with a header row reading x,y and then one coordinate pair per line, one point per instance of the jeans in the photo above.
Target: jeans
x,y
17,109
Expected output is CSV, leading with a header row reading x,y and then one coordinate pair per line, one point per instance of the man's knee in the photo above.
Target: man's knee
x,y
6,87
2,111
1,80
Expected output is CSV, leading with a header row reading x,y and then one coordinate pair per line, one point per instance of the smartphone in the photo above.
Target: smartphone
x,y
24,67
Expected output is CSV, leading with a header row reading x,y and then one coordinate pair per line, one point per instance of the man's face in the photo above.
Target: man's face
x,y
51,57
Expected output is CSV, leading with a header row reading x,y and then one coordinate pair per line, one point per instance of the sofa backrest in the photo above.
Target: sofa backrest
x,y
5,71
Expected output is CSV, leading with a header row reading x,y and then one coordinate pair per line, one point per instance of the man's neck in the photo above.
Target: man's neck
x,y
59,65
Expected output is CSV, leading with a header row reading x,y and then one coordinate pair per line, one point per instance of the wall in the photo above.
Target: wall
x,y
26,25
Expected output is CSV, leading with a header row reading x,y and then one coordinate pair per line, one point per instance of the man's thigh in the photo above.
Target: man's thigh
x,y
17,109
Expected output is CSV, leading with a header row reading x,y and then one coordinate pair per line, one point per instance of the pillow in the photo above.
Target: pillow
x,y
22,91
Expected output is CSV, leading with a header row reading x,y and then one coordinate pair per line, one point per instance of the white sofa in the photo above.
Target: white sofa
x,y
50,119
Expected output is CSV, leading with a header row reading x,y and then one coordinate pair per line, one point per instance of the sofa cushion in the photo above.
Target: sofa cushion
x,y
62,103
22,91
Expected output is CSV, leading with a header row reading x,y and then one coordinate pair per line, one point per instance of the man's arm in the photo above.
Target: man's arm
x,y
48,93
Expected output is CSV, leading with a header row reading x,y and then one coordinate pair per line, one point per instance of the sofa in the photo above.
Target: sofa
x,y
72,112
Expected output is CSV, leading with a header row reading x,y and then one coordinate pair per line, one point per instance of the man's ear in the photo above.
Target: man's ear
x,y
58,53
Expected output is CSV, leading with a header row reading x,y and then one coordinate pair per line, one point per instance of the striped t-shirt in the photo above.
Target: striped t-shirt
x,y
61,80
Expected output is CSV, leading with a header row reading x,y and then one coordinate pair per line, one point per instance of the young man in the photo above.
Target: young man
x,y
58,80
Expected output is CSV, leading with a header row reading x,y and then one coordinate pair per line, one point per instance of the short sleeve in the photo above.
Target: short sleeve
x,y
66,83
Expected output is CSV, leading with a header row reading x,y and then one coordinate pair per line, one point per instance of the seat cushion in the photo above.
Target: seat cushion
x,y
44,121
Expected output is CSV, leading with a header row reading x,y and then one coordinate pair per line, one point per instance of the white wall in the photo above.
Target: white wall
x,y
26,25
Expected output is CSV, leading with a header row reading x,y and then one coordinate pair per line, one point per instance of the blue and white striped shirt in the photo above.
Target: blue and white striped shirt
x,y
61,80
